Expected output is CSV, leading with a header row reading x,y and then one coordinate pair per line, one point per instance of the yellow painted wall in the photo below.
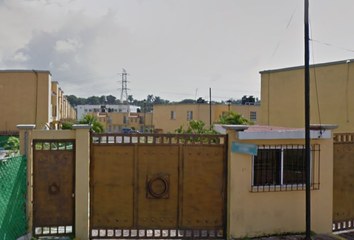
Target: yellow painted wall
x,y
265,213
22,100
331,85
245,110
162,115
26,99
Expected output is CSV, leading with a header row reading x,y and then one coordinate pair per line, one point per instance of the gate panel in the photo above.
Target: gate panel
x,y
203,187
53,191
112,185
343,182
158,186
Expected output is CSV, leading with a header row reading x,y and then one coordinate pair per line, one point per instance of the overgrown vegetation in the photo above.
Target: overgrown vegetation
x,y
13,145
97,127
233,118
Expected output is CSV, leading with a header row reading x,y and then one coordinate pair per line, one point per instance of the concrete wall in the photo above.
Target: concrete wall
x,y
331,85
28,97
265,213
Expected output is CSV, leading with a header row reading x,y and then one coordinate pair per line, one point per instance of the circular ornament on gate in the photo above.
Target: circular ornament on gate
x,y
158,187
54,188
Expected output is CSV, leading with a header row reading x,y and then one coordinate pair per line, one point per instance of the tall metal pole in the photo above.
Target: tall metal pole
x,y
210,106
307,122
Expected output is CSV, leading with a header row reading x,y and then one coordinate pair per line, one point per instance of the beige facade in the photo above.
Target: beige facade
x,y
172,116
30,97
261,213
331,101
114,122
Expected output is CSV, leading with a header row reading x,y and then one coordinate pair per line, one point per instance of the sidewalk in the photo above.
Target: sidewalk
x,y
331,236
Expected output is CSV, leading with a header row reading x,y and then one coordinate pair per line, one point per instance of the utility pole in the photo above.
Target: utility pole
x,y
307,122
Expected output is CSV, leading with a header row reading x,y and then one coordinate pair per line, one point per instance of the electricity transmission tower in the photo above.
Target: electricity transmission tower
x,y
124,90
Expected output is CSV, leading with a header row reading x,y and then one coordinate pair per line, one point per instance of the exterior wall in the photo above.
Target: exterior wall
x,y
162,114
28,99
114,121
84,109
245,110
23,100
282,93
264,213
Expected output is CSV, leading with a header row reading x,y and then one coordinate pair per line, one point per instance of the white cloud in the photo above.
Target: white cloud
x,y
64,67
20,57
70,45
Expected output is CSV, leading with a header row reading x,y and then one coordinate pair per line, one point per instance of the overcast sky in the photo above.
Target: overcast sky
x,y
174,49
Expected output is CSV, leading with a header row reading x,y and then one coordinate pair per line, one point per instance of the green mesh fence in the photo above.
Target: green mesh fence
x,y
13,190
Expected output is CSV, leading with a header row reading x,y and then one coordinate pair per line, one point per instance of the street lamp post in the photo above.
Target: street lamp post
x,y
144,114
228,104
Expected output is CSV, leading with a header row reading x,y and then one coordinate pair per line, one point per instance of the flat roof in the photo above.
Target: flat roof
x,y
311,66
24,71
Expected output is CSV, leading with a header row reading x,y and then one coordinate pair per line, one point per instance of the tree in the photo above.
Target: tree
x,y
97,127
94,100
111,99
87,119
130,98
233,118
13,143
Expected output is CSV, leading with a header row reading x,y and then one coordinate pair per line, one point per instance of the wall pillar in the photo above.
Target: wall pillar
x,y
82,170
25,138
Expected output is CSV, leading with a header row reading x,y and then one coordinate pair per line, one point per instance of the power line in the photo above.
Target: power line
x,y
332,45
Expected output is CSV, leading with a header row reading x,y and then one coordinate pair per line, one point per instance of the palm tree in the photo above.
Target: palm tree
x,y
92,120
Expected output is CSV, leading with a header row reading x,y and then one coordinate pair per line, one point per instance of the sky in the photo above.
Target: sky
x,y
174,49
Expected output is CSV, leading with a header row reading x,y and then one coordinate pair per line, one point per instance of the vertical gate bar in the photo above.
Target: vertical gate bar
x,y
180,187
225,185
90,182
135,187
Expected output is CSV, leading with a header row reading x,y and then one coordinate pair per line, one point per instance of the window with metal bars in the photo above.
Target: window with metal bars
x,y
283,168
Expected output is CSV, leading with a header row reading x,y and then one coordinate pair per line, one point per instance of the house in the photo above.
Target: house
x,y
331,101
266,177
29,96
171,116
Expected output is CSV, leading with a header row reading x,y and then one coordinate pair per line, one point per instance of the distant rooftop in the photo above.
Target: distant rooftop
x,y
24,71
311,66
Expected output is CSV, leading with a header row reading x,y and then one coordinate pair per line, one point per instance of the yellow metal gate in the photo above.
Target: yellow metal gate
x,y
53,187
158,186
343,181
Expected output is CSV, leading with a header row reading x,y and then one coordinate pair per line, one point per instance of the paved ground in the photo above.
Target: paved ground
x,y
339,236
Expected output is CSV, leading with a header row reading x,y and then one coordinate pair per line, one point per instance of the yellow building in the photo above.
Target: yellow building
x,y
114,122
171,116
30,97
331,85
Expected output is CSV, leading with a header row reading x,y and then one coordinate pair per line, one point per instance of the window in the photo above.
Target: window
x,y
141,128
109,120
253,116
141,121
283,168
100,119
120,128
136,120
115,128
173,115
125,119
131,120
189,115
110,128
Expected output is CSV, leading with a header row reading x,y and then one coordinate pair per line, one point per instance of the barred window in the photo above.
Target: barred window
x,y
189,115
284,167
173,115
253,116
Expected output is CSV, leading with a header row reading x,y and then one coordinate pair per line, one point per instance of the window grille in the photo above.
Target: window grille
x,y
125,119
189,115
110,128
283,168
115,128
253,116
109,120
173,115
141,120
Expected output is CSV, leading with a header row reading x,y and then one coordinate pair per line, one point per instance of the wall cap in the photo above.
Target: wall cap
x,y
82,126
26,126
322,126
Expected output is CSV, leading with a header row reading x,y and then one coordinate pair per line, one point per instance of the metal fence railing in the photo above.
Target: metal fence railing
x,y
13,191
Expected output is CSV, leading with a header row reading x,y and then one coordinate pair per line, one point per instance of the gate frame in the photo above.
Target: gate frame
x,y
81,135
34,141
225,177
